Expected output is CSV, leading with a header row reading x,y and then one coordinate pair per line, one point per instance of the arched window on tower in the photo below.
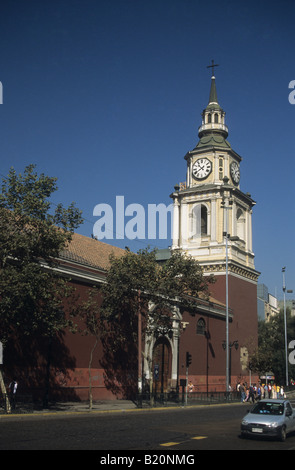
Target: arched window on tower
x,y
241,225
199,221
216,118
204,220
209,118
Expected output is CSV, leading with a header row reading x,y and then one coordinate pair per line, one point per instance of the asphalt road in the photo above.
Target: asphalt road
x,y
176,430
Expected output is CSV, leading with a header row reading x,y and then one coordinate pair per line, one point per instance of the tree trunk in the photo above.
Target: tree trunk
x,y
47,375
5,396
89,371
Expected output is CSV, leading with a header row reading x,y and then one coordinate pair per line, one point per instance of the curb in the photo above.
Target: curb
x,y
76,411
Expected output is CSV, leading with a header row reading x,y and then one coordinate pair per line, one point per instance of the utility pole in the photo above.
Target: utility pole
x,y
285,323
226,204
139,382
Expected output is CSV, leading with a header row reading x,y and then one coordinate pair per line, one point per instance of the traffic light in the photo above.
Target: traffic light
x,y
188,359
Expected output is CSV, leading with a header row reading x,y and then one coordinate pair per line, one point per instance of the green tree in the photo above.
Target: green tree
x,y
31,239
32,296
137,284
89,314
270,355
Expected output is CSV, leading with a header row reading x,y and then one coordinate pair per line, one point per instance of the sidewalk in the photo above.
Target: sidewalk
x,y
103,406
106,406
71,407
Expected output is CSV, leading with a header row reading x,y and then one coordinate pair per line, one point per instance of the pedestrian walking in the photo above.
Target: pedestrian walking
x,y
258,393
190,387
251,394
266,394
12,392
273,391
242,392
238,387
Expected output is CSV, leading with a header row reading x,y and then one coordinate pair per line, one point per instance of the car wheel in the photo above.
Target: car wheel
x,y
283,434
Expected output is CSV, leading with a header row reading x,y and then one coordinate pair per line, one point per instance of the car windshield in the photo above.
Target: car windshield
x,y
268,408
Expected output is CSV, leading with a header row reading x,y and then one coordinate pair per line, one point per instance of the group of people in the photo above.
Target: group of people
x,y
258,392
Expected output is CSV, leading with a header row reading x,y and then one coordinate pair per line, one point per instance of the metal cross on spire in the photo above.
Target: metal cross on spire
x,y
212,66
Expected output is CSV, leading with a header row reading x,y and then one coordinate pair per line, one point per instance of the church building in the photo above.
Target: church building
x,y
210,345
212,222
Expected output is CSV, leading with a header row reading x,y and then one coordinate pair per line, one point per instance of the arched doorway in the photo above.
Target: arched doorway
x,y
162,366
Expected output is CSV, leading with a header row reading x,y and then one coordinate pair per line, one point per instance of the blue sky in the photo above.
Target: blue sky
x,y
107,96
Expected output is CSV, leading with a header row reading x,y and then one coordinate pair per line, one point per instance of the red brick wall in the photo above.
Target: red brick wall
x,y
207,371
208,368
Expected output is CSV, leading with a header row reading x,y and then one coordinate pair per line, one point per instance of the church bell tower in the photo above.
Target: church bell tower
x,y
212,222
210,206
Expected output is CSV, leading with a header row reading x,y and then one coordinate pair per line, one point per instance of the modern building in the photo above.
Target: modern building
x,y
267,304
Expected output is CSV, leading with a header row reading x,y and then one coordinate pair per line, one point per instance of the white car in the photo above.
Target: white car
x,y
269,418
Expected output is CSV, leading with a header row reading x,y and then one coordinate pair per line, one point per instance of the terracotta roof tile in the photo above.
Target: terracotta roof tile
x,y
90,252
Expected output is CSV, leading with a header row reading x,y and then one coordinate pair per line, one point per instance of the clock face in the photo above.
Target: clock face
x,y
235,172
202,168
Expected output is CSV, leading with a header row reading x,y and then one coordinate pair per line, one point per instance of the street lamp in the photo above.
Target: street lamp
x,y
285,323
225,204
139,340
234,344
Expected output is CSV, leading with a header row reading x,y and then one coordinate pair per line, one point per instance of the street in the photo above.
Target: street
x,y
177,430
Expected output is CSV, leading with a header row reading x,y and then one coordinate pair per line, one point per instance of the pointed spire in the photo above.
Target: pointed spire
x,y
213,92
213,116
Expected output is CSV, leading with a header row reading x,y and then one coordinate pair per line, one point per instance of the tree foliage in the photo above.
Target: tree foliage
x,y
270,355
137,280
32,296
137,283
